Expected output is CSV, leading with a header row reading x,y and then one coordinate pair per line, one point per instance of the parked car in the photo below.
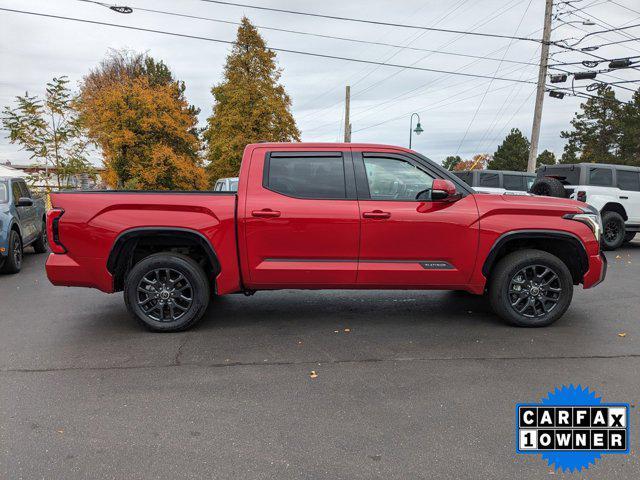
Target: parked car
x,y
22,223
497,181
318,216
614,190
226,185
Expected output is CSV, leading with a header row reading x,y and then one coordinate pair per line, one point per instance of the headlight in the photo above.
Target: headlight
x,y
591,220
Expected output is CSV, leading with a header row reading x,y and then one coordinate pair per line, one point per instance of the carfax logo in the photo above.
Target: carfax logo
x,y
571,428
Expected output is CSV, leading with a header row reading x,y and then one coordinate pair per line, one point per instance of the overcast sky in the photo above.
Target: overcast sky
x,y
35,49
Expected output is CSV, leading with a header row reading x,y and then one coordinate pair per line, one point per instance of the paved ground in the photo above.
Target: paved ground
x,y
412,384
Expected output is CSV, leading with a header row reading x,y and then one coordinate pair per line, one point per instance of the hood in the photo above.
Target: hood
x,y
530,203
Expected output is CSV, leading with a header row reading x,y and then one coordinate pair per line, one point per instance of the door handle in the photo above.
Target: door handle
x,y
265,213
377,214
624,198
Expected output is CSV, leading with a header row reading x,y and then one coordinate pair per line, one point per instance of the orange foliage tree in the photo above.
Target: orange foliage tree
x,y
478,162
137,114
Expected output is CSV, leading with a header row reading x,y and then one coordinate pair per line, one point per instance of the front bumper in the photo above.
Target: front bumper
x,y
597,271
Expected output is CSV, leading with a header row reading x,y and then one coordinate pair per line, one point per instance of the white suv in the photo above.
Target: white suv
x,y
497,181
614,190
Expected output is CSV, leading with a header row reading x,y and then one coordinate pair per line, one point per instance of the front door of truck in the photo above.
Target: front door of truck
x,y
407,241
301,220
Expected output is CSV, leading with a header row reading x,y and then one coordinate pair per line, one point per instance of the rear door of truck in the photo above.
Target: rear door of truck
x,y
301,218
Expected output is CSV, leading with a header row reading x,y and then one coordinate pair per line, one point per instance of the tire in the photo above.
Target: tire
x,y
548,187
551,279
164,308
613,231
13,260
628,236
41,245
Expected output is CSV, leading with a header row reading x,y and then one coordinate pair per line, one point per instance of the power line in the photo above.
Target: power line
x,y
284,50
313,34
372,22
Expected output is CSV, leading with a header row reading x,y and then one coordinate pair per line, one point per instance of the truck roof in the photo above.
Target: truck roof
x,y
587,164
340,145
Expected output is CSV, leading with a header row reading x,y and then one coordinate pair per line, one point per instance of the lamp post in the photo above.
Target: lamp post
x,y
418,130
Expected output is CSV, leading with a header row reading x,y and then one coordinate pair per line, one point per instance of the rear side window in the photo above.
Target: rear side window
x,y
529,179
307,177
628,180
567,175
601,177
513,182
491,180
466,177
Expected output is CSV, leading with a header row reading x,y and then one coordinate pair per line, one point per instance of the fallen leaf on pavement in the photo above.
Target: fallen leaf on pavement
x,y
313,374
347,330
622,334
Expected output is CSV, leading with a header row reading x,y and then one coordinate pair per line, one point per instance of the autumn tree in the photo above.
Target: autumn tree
x,y
451,161
629,125
50,131
250,105
136,112
478,162
512,154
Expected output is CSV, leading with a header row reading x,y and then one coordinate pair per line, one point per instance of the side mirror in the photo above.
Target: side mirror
x,y
444,191
24,202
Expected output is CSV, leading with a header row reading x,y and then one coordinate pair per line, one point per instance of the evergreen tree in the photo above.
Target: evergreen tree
x,y
250,105
630,132
450,162
137,113
546,158
596,130
512,154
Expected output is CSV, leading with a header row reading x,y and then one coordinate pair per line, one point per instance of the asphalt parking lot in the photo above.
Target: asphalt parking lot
x,y
409,384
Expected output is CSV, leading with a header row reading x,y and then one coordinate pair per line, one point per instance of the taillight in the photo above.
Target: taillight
x,y
53,230
581,197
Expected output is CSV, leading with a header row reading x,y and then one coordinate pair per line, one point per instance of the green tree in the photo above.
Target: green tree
x,y
250,105
512,154
136,111
630,131
596,132
50,130
546,158
450,162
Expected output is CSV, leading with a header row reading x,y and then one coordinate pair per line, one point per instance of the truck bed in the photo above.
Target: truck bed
x,y
93,221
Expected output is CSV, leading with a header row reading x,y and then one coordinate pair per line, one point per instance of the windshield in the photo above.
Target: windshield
x,y
4,196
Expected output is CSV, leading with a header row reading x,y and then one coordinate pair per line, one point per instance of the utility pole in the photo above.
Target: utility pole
x,y
347,108
542,80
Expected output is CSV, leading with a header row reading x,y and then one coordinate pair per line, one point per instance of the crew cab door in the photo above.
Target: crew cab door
x,y
409,242
628,181
26,215
301,219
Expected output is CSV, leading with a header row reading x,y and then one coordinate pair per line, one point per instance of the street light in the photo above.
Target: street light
x,y
418,130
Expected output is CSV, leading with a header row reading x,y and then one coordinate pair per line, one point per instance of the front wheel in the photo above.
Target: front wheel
x,y
530,288
167,292
613,230
13,260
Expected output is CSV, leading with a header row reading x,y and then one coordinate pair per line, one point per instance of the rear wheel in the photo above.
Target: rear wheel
x,y
530,288
167,292
13,260
41,245
613,230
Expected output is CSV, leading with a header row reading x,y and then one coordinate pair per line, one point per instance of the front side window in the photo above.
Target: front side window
x,y
601,177
512,182
4,192
393,179
491,180
529,179
307,177
17,193
628,180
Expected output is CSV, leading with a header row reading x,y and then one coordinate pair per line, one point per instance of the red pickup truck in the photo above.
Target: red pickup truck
x,y
319,216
